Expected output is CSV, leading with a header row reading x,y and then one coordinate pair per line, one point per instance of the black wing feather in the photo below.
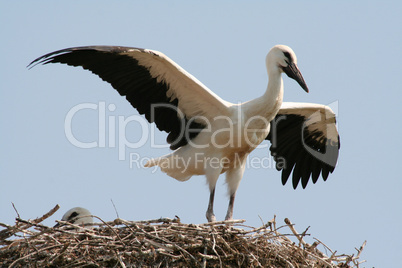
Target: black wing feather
x,y
289,144
132,80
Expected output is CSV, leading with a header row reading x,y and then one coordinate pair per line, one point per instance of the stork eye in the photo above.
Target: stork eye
x,y
287,55
74,214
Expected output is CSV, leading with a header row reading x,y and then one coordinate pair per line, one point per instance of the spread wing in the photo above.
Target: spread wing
x,y
304,140
155,85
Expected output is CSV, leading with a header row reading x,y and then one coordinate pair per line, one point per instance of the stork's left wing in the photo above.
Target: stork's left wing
x,y
304,140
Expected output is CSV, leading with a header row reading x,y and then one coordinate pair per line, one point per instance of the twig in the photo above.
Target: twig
x,y
108,227
222,222
298,236
262,222
115,209
325,246
274,224
214,250
359,251
160,220
15,209
47,215
29,224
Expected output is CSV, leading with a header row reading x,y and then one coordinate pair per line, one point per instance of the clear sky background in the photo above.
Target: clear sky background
x,y
350,55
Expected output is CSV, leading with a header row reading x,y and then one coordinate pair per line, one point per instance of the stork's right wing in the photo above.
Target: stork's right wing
x,y
149,79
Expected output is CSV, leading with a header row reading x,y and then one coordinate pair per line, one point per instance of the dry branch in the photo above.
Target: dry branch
x,y
162,243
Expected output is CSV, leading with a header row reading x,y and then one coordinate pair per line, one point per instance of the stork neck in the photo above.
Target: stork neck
x,y
274,94
275,86
268,104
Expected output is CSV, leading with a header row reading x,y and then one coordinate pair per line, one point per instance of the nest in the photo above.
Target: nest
x,y
163,243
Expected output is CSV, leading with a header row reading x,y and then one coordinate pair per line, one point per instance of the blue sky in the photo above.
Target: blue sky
x,y
350,56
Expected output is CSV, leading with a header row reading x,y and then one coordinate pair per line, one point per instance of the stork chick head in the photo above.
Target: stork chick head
x,y
283,58
77,216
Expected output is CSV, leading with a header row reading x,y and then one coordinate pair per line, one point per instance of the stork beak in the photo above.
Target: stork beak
x,y
293,72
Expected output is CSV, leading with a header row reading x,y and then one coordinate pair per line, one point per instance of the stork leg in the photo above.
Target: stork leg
x,y
229,214
212,175
233,178
210,211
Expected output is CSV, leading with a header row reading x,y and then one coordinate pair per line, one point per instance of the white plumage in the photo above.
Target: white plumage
x,y
77,215
209,135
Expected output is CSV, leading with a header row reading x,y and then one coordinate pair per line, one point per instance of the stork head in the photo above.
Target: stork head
x,y
77,215
284,58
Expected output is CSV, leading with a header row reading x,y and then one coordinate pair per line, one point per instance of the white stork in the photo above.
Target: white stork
x,y
208,135
77,216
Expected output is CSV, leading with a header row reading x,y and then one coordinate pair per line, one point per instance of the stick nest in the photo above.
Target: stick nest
x,y
162,243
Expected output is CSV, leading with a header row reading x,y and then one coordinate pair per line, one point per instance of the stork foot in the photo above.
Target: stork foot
x,y
229,216
210,216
